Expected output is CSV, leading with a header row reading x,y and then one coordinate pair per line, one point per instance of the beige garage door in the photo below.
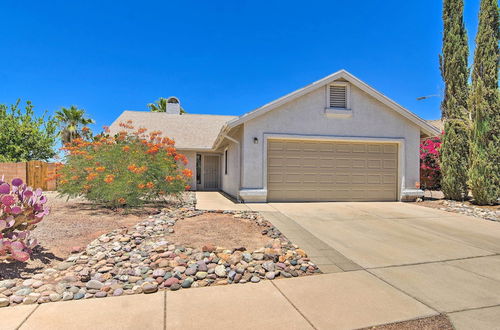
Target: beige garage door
x,y
299,170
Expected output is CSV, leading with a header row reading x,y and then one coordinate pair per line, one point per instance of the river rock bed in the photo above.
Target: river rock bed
x,y
142,260
467,209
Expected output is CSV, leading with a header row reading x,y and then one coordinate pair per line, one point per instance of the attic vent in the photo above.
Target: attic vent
x,y
338,96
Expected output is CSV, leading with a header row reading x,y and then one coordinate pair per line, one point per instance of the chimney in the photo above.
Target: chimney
x,y
173,106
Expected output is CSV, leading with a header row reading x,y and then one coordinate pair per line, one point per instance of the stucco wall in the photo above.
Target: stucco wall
x,y
306,116
231,180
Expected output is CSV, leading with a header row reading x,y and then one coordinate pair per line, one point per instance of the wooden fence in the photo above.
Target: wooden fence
x,y
34,173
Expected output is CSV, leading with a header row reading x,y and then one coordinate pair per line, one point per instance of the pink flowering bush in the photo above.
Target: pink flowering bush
x,y
430,171
21,209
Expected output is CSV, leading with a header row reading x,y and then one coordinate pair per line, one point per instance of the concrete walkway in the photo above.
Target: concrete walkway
x,y
448,262
333,301
213,200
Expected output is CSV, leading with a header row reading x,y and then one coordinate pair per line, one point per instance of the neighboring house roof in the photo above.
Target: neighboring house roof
x,y
188,130
342,74
438,123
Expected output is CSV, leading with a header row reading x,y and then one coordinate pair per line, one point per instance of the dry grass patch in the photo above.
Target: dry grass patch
x,y
218,229
72,223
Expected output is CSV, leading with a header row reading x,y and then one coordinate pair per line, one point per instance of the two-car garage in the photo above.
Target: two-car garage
x,y
316,170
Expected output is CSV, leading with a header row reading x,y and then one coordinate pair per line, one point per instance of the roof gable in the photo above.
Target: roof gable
x,y
342,74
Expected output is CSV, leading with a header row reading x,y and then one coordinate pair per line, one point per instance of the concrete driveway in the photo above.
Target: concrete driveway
x,y
449,262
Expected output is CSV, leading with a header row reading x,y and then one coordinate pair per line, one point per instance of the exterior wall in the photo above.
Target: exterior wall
x,y
231,180
191,156
13,170
33,173
306,116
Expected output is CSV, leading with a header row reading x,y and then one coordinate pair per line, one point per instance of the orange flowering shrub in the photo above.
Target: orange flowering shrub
x,y
129,168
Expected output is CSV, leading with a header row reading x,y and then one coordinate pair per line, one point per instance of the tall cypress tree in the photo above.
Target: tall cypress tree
x,y
455,73
484,174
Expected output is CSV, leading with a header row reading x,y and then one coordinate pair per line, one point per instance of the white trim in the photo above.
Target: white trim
x,y
425,127
207,150
338,113
230,138
399,141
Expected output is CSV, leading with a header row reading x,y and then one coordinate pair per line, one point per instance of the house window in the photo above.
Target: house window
x,y
225,161
198,169
338,96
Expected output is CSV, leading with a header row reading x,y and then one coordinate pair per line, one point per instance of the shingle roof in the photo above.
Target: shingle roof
x,y
188,130
438,123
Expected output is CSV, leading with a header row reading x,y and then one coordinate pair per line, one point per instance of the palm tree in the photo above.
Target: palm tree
x,y
161,105
72,123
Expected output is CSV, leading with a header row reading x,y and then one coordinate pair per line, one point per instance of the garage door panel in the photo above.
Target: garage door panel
x,y
374,179
359,163
359,148
374,148
389,179
374,163
390,149
343,162
277,162
358,178
390,164
331,171
342,148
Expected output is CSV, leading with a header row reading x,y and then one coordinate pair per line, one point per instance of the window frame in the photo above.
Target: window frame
x,y
225,160
199,166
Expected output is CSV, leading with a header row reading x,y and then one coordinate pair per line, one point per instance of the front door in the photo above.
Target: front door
x,y
211,172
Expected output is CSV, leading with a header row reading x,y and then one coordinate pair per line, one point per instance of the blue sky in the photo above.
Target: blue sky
x,y
218,57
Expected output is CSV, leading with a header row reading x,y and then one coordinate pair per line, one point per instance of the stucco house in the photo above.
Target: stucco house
x,y
337,139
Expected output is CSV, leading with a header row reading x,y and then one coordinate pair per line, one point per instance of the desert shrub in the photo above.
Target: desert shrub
x,y
454,160
129,168
21,209
430,171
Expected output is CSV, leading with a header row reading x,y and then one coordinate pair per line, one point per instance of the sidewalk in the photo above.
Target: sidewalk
x,y
332,301
213,200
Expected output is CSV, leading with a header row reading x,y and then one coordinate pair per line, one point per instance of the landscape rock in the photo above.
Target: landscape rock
x,y
149,287
220,271
94,284
4,302
142,259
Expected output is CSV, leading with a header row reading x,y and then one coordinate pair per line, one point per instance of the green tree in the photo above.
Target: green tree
x,y
484,173
24,136
453,149
161,105
73,124
454,70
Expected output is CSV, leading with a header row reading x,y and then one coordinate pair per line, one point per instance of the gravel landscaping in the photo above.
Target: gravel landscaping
x,y
486,212
438,322
148,257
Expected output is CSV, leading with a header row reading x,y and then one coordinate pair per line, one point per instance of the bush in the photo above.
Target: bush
x,y
21,209
454,159
129,168
430,171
